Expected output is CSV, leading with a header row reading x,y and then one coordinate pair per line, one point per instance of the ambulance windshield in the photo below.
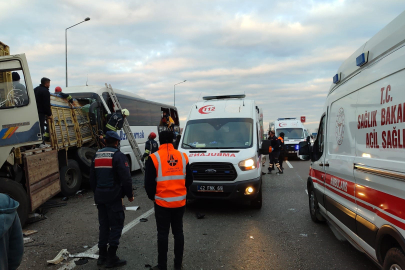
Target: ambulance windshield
x,y
228,133
291,133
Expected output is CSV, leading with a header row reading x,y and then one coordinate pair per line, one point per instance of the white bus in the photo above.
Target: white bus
x,y
145,116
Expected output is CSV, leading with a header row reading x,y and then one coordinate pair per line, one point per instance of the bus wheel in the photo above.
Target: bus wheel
x,y
394,260
17,192
257,202
70,178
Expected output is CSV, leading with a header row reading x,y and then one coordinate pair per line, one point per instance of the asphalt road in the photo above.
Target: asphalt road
x,y
231,236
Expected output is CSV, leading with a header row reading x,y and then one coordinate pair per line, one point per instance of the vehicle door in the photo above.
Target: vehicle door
x,y
317,172
339,157
18,108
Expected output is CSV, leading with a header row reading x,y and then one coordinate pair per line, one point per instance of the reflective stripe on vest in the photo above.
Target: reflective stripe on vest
x,y
171,191
103,165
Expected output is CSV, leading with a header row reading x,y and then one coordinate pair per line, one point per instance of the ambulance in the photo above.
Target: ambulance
x,y
357,175
294,133
222,137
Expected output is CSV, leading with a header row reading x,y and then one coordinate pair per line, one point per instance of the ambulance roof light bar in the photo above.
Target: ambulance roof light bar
x,y
281,119
224,97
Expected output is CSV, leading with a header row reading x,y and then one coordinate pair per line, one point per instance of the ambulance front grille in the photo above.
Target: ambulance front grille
x,y
213,171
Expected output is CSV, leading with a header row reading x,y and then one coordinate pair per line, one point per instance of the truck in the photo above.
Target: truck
x,y
29,174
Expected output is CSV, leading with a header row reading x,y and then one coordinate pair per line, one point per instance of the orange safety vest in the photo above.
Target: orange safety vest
x,y
281,139
170,167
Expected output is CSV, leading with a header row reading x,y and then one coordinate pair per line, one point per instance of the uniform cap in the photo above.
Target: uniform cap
x,y
112,134
58,89
125,112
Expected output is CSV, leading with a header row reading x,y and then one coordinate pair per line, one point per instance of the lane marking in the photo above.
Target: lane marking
x,y
289,164
94,249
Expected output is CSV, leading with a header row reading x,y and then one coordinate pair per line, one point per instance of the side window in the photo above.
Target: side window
x,y
320,140
13,92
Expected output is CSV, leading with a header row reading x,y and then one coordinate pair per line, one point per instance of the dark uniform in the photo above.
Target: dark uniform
x,y
274,155
43,98
282,151
115,121
151,146
110,180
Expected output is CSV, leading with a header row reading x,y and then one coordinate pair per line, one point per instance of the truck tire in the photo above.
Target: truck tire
x,y
17,192
395,259
70,178
314,211
257,202
84,156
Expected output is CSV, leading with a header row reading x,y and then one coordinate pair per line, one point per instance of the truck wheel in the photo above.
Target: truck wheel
x,y
316,216
70,178
394,260
84,157
17,192
257,202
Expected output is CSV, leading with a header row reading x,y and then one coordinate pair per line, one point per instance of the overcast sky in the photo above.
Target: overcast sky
x,y
283,54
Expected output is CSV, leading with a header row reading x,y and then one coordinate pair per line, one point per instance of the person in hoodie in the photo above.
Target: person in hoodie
x,y
11,236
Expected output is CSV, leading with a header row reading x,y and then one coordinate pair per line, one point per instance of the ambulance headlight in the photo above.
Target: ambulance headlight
x,y
249,190
247,164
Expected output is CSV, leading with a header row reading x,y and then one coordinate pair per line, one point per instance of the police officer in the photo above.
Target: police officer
x,y
151,146
167,178
115,121
110,180
282,150
274,155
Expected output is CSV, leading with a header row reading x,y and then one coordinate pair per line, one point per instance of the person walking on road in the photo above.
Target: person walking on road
x,y
274,155
110,180
167,179
11,236
151,146
282,150
43,98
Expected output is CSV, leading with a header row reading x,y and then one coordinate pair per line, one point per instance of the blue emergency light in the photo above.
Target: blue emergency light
x,y
336,78
297,147
362,59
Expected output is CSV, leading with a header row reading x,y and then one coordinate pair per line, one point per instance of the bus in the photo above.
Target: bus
x,y
145,115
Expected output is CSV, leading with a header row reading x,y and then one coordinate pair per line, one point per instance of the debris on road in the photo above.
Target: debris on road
x,y
35,218
81,261
85,246
80,192
251,237
303,235
62,255
28,240
199,215
132,208
65,199
291,209
143,220
29,232
84,255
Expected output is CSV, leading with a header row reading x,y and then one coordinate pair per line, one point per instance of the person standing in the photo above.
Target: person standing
x,y
282,150
167,179
11,236
43,98
151,146
110,180
273,156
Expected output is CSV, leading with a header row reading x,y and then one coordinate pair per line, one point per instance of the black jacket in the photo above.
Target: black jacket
x,y
122,178
275,144
150,178
43,98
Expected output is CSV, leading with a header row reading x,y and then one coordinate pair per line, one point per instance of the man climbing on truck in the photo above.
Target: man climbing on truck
x,y
43,98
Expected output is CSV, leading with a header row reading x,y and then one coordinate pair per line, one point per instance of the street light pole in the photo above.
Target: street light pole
x,y
85,20
174,86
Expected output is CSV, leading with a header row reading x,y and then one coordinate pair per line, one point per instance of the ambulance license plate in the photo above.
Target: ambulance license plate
x,y
292,152
210,188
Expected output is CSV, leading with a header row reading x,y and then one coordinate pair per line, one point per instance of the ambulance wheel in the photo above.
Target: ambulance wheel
x,y
314,211
257,202
17,192
70,178
394,260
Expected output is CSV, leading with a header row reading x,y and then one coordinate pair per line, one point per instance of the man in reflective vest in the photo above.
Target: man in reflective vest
x,y
167,179
110,180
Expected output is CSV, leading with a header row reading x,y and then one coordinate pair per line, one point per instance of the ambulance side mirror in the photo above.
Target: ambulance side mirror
x,y
265,149
305,150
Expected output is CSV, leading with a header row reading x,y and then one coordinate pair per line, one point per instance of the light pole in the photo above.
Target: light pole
x,y
85,20
175,91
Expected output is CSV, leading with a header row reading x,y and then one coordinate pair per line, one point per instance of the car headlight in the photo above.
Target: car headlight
x,y
247,164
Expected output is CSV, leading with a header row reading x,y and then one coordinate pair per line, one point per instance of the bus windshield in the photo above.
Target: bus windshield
x,y
291,133
221,133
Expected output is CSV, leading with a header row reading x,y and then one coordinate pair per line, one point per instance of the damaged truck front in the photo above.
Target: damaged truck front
x,y
29,174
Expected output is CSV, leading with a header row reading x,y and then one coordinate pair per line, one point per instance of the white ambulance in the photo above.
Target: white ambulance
x,y
357,174
222,138
294,133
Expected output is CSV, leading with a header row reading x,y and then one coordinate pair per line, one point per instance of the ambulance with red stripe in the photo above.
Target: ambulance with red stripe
x,y
222,139
357,173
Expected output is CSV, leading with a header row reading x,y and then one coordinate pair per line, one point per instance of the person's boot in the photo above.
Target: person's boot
x,y
112,258
102,255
